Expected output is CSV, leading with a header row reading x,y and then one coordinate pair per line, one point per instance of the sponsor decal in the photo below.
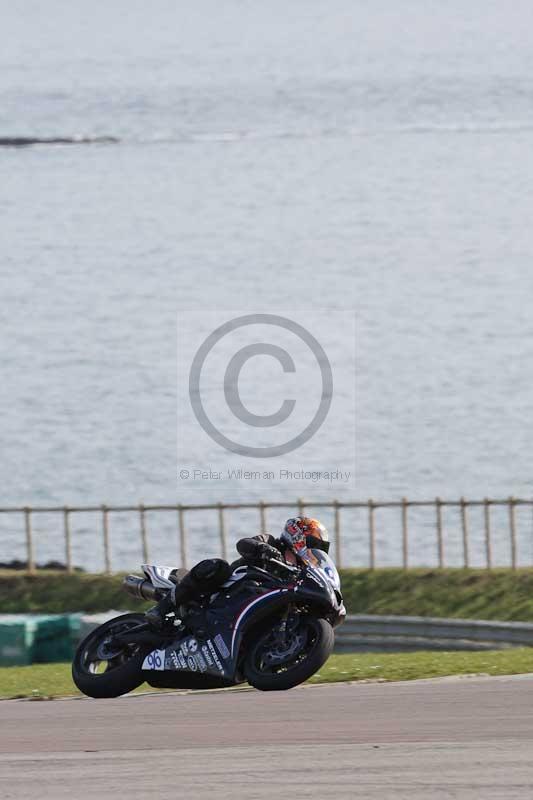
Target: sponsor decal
x,y
182,662
221,646
191,663
171,662
184,648
214,655
201,662
207,656
193,646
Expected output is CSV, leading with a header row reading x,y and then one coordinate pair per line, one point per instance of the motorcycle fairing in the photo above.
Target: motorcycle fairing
x,y
191,654
320,561
322,571
239,622
237,575
215,654
159,575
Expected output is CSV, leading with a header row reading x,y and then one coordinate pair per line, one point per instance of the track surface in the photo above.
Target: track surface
x,y
470,738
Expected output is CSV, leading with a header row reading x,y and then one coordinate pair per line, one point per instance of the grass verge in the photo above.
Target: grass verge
x,y
43,681
48,592
424,664
502,594
499,594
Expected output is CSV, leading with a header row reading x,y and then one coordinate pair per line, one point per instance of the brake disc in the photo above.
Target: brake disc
x,y
278,655
105,652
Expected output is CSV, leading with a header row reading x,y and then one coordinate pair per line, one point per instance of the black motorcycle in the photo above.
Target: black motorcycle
x,y
269,625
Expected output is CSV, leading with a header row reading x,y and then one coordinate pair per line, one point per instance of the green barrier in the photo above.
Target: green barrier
x,y
55,638
28,638
17,634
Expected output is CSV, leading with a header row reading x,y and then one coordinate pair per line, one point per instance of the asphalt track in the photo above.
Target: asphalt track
x,y
468,738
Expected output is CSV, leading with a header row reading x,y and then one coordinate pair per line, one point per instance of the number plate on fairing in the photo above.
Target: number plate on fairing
x,y
189,655
155,660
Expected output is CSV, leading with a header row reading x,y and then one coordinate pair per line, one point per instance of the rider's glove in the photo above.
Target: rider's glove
x,y
266,551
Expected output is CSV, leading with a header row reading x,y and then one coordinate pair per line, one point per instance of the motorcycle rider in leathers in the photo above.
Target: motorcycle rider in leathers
x,y
208,575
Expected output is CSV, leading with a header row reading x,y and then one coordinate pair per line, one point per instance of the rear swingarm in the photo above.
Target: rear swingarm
x,y
142,634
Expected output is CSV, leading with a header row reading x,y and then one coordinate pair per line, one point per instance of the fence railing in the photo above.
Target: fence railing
x,y
339,536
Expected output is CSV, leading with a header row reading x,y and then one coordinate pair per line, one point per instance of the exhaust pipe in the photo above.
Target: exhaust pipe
x,y
140,588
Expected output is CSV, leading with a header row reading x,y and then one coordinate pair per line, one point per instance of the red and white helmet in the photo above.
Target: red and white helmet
x,y
302,532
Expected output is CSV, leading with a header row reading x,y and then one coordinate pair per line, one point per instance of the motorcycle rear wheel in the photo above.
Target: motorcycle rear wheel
x,y
286,675
121,666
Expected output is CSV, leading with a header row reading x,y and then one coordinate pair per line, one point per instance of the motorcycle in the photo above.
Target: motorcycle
x,y
269,625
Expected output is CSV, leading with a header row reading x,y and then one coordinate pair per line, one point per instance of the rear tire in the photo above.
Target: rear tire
x,y
322,639
123,671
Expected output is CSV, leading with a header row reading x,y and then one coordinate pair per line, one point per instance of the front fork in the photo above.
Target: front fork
x,y
289,621
282,627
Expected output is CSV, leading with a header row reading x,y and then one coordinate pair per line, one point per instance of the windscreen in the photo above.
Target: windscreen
x,y
320,560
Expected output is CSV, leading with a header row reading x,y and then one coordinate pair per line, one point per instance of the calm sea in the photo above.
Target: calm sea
x,y
355,158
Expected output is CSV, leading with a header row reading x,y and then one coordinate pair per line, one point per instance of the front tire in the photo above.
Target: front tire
x,y
285,675
120,666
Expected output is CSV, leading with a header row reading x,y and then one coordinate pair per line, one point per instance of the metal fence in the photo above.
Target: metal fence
x,y
434,527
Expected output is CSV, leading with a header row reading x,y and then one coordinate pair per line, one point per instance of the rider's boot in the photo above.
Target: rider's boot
x,y
204,578
179,596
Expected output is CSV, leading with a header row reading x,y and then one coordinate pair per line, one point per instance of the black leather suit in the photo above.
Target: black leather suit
x,y
208,575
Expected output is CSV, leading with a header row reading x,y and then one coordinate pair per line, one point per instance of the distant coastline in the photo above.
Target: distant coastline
x,y
27,141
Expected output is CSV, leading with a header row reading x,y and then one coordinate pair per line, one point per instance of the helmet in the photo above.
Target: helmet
x,y
301,532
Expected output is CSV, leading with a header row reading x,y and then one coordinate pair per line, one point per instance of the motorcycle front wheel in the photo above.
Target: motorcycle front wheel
x,y
102,668
269,668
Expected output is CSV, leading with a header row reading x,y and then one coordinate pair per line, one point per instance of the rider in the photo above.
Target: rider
x,y
207,576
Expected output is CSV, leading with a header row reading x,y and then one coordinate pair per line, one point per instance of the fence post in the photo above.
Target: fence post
x,y
105,530
301,507
262,517
464,525
405,535
29,540
440,541
68,546
488,543
512,531
144,539
183,537
371,534
338,549
222,531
